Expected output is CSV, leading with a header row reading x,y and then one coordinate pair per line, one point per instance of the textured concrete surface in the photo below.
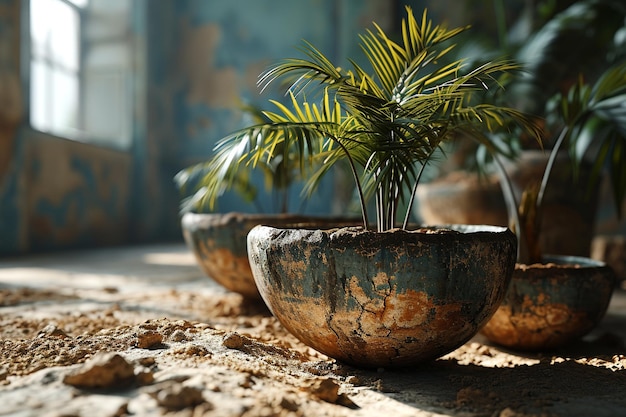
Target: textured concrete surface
x,y
140,331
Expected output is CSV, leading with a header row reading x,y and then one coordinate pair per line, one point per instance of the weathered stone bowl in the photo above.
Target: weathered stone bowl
x,y
552,304
218,242
383,299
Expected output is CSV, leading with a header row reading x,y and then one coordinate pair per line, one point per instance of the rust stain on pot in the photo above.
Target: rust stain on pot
x,y
373,326
539,327
218,242
381,299
402,325
550,305
407,310
370,304
312,325
226,268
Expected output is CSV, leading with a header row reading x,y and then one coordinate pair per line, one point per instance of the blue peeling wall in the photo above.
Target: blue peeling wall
x,y
225,47
12,221
198,60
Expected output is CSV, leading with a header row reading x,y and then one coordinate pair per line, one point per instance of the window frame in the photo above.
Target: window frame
x,y
124,141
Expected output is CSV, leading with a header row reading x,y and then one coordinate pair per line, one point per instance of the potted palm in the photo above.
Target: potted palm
x,y
582,38
218,240
553,300
385,293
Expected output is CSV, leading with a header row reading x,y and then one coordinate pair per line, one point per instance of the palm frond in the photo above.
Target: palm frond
x,y
385,122
595,116
300,72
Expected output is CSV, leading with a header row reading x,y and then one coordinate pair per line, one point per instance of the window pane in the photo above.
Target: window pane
x,y
40,26
55,32
65,92
80,3
106,105
40,97
65,35
54,67
107,55
81,69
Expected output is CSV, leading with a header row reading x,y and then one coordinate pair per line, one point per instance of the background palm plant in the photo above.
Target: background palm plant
x,y
573,80
594,118
279,174
386,125
590,121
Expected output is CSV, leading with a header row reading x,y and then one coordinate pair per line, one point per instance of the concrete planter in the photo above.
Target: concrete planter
x,y
461,198
568,213
383,299
552,304
218,242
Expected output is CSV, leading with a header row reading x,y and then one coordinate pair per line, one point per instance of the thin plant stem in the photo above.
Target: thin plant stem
x,y
355,175
511,202
391,199
414,190
380,214
549,166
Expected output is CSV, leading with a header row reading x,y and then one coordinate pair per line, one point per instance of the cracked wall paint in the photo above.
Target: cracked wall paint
x,y
207,83
77,193
199,59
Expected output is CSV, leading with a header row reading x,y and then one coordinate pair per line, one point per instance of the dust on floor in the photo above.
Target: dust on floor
x,y
189,348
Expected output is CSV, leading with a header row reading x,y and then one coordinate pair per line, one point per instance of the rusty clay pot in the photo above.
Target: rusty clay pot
x,y
568,213
218,242
461,197
551,304
383,299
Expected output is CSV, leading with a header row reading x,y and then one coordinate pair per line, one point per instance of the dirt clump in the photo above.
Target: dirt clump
x,y
186,352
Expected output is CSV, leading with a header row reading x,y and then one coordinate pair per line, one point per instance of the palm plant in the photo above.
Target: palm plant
x,y
279,174
590,120
595,127
385,125
583,38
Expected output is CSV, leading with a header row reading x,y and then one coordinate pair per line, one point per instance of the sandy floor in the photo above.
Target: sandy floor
x,y
140,332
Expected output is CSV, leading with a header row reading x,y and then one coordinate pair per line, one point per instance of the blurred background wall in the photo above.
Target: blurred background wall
x,y
159,81
187,67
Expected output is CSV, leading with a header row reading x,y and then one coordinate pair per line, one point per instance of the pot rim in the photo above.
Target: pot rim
x,y
240,214
569,260
193,220
464,229
439,235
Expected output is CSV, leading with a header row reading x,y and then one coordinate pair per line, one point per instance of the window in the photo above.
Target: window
x,y
81,69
